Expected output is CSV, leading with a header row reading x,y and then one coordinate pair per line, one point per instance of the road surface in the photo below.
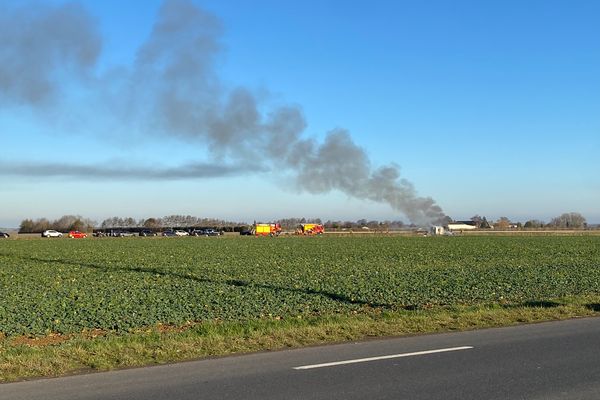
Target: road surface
x,y
556,360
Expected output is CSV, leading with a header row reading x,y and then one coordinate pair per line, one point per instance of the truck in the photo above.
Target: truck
x,y
271,229
311,229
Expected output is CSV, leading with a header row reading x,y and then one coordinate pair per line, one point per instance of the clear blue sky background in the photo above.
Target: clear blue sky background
x,y
491,108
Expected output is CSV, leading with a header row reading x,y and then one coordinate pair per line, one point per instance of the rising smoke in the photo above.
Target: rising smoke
x,y
173,89
119,171
38,43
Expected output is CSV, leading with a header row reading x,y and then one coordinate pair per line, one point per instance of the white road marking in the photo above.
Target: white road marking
x,y
361,360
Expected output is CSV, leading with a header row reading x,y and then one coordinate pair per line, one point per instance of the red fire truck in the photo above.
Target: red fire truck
x,y
267,229
311,229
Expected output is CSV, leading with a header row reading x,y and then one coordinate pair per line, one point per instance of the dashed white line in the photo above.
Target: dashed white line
x,y
387,357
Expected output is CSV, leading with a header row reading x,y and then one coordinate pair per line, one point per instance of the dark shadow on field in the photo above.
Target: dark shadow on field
x,y
593,306
231,282
534,304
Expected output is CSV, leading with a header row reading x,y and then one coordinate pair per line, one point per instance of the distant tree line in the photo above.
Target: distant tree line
x,y
72,222
63,224
169,221
183,221
570,220
76,222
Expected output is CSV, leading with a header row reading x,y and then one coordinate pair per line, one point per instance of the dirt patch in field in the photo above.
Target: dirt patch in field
x,y
48,340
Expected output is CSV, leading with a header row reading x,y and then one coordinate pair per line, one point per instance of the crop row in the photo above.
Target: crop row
x,y
70,286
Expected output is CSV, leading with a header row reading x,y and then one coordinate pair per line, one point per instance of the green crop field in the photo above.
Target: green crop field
x,y
123,284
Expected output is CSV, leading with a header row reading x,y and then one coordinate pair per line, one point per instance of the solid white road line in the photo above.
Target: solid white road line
x,y
361,360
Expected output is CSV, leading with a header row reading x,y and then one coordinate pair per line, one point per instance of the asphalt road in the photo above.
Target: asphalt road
x,y
557,360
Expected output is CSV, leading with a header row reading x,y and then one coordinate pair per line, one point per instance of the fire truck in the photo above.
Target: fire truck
x,y
267,229
311,229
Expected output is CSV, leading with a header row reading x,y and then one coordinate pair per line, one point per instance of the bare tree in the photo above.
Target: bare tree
x,y
571,220
502,223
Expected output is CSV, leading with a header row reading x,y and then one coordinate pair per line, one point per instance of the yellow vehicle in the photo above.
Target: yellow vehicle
x,y
267,229
311,229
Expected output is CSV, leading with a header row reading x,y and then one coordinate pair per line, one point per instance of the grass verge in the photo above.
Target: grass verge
x,y
54,355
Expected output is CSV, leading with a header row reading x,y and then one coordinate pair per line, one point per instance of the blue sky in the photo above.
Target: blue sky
x,y
490,108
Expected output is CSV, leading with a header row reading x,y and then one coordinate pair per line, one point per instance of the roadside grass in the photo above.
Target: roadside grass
x,y
55,355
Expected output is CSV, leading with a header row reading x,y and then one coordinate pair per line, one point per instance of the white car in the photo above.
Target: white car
x,y
51,233
181,233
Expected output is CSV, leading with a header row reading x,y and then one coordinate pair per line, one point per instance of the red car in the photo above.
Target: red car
x,y
77,235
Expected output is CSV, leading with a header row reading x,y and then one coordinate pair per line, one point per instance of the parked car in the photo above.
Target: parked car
x,y
181,233
51,233
4,235
120,233
204,232
147,232
77,235
169,233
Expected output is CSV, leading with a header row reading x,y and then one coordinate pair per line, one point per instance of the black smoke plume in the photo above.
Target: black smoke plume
x,y
173,90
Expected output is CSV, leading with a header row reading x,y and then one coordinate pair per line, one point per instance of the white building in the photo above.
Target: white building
x,y
461,226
